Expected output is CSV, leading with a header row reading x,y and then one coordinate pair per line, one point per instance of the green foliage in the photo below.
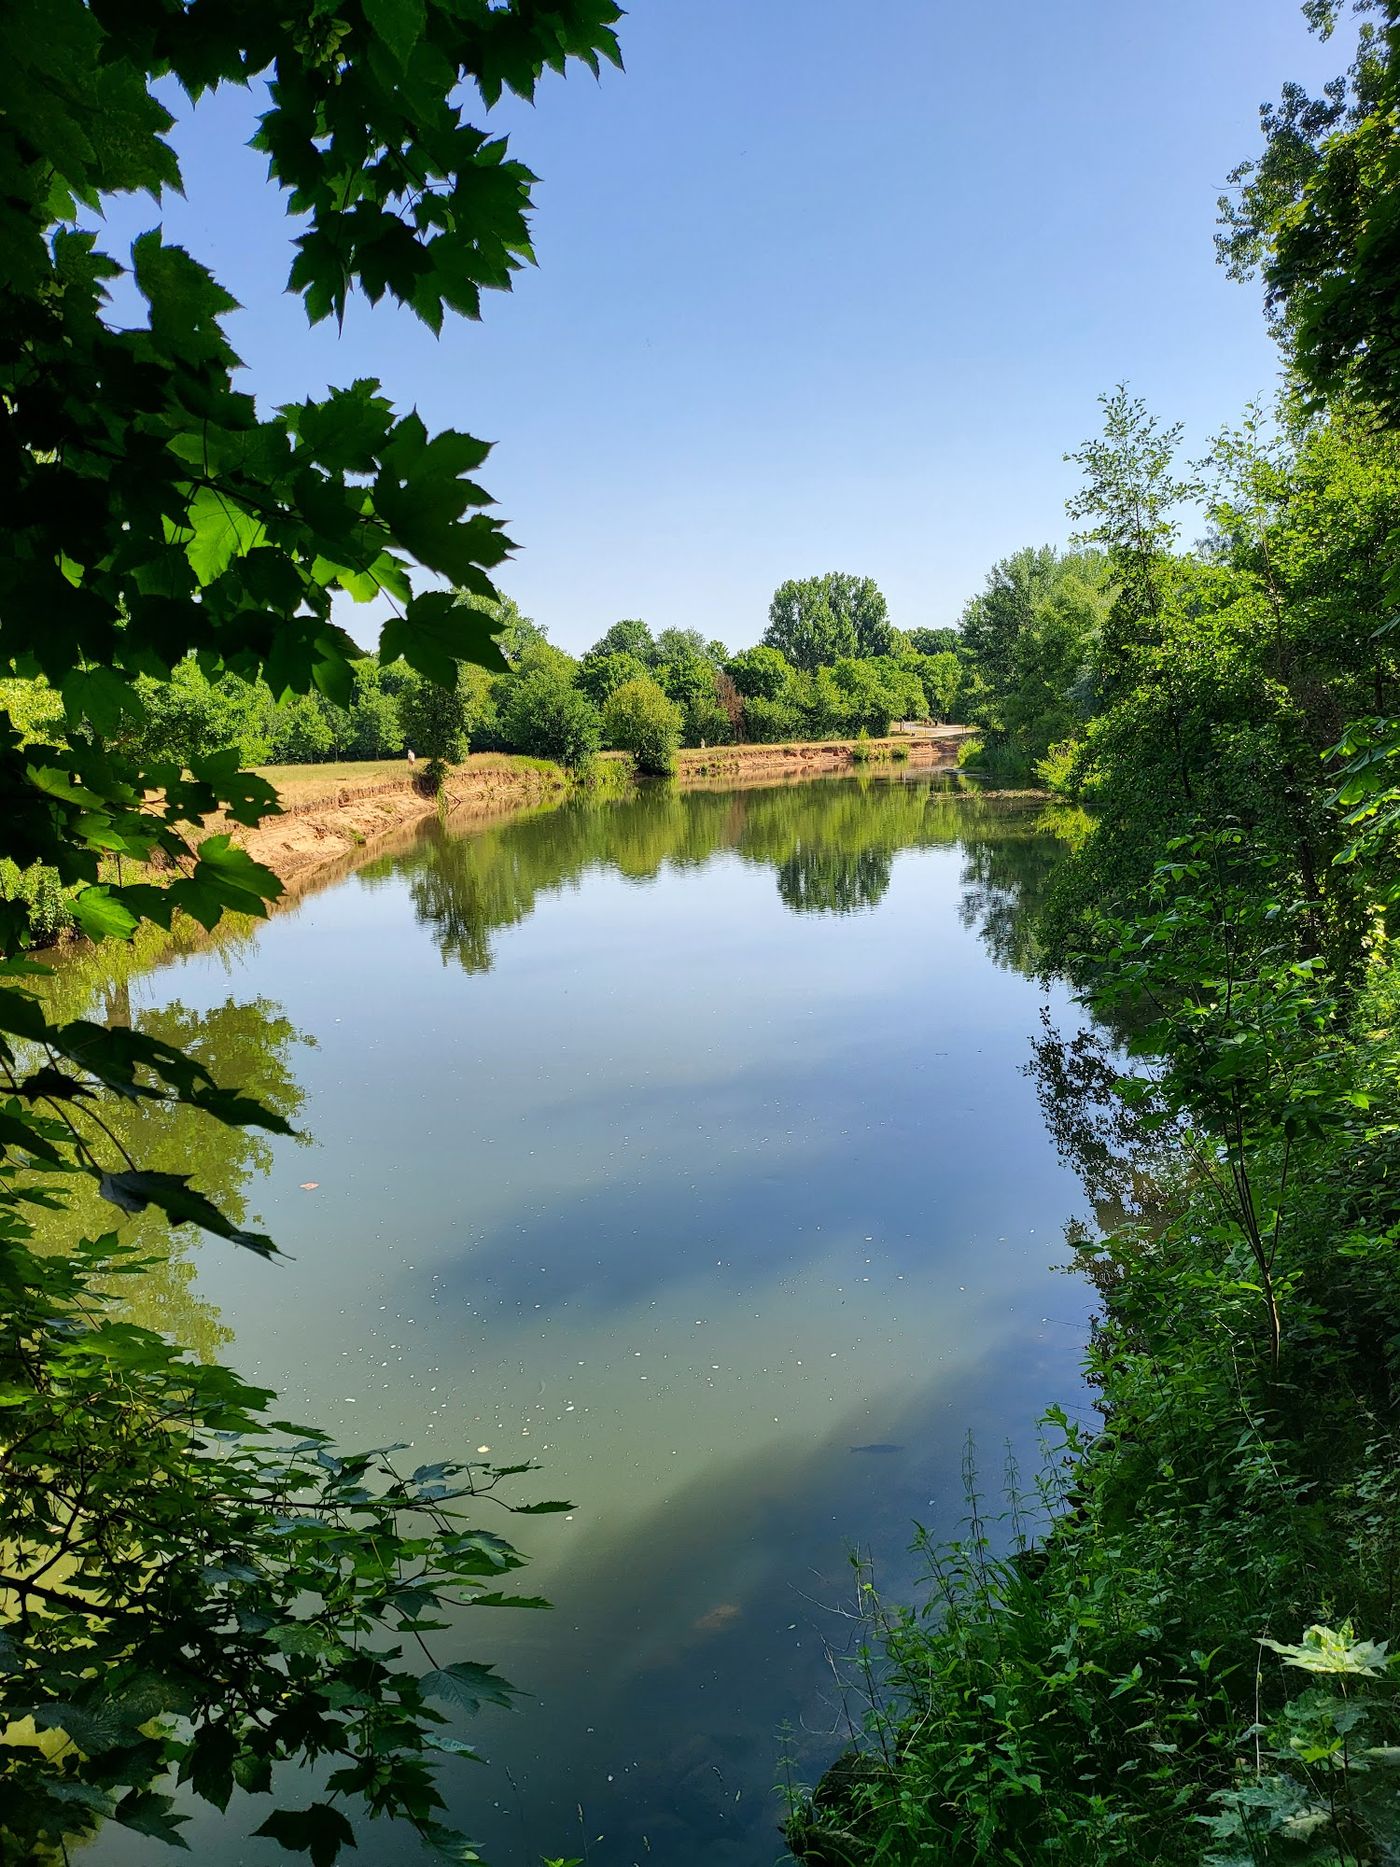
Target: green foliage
x,y
47,907
627,638
1101,1695
34,708
600,674
933,642
1223,677
640,719
1316,215
868,698
1114,1693
197,1592
771,722
544,714
1030,645
434,720
941,674
173,1602
815,621
760,673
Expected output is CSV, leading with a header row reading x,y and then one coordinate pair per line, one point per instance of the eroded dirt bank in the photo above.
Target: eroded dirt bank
x,y
315,834
327,828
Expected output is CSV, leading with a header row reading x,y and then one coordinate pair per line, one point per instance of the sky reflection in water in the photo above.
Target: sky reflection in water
x,y
683,1145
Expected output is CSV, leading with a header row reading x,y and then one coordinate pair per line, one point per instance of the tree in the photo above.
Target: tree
x,y
760,672
545,715
859,600
771,722
375,729
817,620
803,627
301,733
638,718
822,704
601,673
934,641
433,720
241,1603
682,645
731,704
517,636
942,678
1317,215
627,638
869,702
992,621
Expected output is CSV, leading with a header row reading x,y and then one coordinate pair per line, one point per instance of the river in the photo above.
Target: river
x,y
685,1145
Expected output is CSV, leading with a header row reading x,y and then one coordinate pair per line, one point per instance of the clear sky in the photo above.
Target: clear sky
x,y
823,284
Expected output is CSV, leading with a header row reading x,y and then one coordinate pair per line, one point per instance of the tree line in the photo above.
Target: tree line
x,y
830,665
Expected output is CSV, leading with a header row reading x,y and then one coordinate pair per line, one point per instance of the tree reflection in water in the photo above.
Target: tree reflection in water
x,y
247,1045
831,844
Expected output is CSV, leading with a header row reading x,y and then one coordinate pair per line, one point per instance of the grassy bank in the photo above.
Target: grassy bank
x,y
1190,1665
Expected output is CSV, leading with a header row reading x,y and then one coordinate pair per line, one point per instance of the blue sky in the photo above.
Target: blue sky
x,y
823,284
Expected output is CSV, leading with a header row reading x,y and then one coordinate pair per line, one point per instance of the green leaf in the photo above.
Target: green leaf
x,y
398,24
136,1189
469,1685
241,879
101,916
222,529
320,1831
149,1814
85,1795
103,697
185,301
208,1764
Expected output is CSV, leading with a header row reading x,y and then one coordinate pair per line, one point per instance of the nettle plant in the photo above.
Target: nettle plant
x,y
186,1586
1321,1785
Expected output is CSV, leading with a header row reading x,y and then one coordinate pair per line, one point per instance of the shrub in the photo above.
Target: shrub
x,y
547,716
639,719
45,899
769,721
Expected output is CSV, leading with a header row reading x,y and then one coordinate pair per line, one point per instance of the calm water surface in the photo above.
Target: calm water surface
x,y
685,1146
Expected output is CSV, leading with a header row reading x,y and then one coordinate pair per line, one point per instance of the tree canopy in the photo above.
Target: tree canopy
x,y
246,1593
815,621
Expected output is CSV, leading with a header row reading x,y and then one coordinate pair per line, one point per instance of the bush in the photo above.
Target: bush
x,y
768,722
45,898
547,716
639,719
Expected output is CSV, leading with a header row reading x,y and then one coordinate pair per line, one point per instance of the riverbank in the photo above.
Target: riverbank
x,y
1196,1644
332,814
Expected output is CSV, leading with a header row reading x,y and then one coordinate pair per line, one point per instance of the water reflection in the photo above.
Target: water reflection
x,y
830,843
685,1144
244,1044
